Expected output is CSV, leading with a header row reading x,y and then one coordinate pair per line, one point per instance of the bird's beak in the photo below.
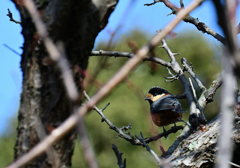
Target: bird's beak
x,y
147,98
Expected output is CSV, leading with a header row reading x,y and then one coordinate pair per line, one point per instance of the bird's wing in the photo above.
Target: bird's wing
x,y
167,103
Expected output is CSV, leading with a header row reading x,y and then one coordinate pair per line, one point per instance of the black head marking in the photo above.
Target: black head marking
x,y
156,90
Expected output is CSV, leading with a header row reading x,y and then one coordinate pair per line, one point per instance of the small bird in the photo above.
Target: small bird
x,y
165,109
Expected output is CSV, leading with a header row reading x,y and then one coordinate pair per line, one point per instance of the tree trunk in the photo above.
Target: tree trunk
x,y
44,101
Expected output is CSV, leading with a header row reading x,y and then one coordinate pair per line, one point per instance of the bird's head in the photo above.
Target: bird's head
x,y
155,93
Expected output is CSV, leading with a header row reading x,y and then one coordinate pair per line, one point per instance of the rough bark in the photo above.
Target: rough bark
x,y
199,149
75,23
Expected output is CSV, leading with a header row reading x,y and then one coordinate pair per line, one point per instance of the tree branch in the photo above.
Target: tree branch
x,y
141,139
11,17
207,97
121,164
155,1
121,134
164,134
189,19
129,55
86,145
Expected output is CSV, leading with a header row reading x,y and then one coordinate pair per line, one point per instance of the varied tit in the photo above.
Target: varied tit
x,y
165,109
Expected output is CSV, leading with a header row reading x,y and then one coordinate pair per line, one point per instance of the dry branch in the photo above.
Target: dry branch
x,y
189,19
141,139
88,151
126,136
121,164
11,17
129,55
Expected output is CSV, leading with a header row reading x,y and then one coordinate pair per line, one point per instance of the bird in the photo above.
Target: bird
x,y
164,107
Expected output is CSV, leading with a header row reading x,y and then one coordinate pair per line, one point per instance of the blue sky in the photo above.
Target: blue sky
x,y
129,14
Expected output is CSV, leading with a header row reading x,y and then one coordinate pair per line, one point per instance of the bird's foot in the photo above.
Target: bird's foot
x,y
165,133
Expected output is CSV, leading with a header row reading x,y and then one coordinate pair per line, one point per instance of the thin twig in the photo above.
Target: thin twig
x,y
189,19
114,81
172,77
86,145
149,4
121,164
196,100
164,134
148,148
10,48
185,133
11,17
53,157
129,55
233,164
120,132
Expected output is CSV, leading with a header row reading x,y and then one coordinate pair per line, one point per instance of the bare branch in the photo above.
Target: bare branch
x,y
122,164
86,145
164,134
207,97
11,17
193,75
185,133
120,132
41,135
233,164
189,19
172,76
196,100
181,3
129,55
10,48
155,1
128,136
114,81
141,139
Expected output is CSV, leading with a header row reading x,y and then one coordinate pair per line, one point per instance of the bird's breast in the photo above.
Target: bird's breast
x,y
165,117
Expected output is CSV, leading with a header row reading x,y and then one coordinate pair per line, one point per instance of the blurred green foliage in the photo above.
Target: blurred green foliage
x,y
7,142
127,104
